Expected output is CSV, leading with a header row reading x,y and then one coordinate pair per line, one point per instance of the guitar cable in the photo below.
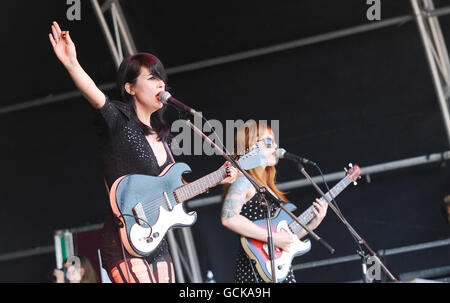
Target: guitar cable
x,y
135,217
359,243
333,201
328,189
126,261
121,225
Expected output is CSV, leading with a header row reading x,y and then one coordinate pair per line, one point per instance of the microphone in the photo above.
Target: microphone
x,y
166,98
283,154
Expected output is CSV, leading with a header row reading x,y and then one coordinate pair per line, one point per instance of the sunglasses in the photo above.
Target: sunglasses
x,y
266,142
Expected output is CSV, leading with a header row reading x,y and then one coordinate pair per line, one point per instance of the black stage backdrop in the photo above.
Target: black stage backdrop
x,y
366,99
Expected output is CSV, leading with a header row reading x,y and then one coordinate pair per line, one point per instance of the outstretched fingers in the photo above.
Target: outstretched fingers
x,y
52,41
55,33
57,28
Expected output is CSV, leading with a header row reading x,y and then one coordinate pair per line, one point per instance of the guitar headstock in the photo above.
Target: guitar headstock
x,y
253,159
353,173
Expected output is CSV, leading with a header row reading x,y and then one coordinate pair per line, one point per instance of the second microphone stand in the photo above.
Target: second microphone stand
x,y
359,241
268,200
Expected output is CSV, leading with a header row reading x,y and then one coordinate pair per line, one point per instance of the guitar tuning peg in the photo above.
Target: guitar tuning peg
x,y
350,164
345,169
355,183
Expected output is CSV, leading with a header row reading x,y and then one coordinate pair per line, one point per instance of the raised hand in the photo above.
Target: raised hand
x,y
63,46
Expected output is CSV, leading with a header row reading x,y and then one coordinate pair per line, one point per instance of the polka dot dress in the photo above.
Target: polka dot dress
x,y
246,271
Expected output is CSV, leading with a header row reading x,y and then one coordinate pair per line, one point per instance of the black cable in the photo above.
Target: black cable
x,y
333,201
121,225
136,217
328,189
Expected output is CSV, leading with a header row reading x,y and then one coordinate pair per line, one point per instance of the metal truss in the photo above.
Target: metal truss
x,y
436,53
120,43
367,171
184,256
122,34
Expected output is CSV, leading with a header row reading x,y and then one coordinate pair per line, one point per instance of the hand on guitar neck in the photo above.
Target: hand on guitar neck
x,y
283,240
320,211
231,173
283,227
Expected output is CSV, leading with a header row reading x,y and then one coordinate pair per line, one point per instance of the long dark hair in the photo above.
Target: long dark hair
x,y
129,70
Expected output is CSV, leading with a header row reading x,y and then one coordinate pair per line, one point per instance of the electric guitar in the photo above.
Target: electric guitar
x,y
148,206
259,252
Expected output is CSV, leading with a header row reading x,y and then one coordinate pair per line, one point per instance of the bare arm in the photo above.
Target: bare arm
x,y
65,51
231,208
231,219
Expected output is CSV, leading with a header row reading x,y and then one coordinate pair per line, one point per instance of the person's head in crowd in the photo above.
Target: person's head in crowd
x,y
76,269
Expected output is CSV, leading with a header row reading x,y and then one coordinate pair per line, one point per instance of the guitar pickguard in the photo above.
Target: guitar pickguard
x,y
146,239
284,258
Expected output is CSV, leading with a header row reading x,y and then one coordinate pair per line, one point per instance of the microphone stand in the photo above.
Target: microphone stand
x,y
267,198
359,241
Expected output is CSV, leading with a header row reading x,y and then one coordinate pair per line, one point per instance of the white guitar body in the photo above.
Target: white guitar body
x,y
283,262
146,239
258,251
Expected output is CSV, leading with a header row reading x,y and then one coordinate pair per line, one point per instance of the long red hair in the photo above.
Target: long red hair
x,y
246,136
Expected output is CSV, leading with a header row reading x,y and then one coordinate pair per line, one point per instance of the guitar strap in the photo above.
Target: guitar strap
x,y
169,152
118,233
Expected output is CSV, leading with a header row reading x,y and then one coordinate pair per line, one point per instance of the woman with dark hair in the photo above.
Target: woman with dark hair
x,y
241,206
134,140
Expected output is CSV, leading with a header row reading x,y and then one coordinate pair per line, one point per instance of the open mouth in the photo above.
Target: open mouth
x,y
157,96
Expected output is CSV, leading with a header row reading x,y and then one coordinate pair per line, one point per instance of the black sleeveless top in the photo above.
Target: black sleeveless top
x,y
124,150
245,267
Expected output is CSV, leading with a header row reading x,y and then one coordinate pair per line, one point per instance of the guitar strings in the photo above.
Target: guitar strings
x,y
155,204
151,207
308,214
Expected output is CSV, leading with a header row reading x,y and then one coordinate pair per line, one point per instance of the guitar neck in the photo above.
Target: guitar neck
x,y
200,186
308,214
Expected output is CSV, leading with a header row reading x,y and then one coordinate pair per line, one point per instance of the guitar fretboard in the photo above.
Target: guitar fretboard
x,y
308,214
199,186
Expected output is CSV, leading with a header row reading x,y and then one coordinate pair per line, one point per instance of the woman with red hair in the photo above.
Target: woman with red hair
x,y
241,205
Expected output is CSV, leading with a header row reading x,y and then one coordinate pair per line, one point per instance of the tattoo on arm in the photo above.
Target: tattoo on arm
x,y
230,207
235,197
